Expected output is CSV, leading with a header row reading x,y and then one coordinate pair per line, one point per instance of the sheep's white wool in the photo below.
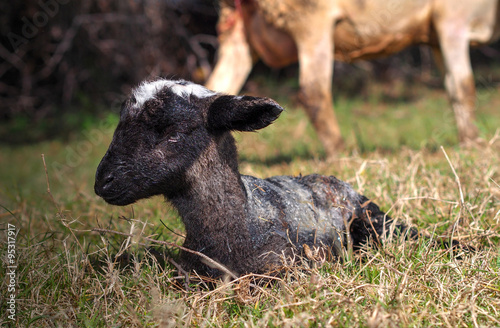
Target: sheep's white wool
x,y
148,90
191,89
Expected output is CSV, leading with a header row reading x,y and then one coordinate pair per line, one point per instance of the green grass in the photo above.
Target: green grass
x,y
69,275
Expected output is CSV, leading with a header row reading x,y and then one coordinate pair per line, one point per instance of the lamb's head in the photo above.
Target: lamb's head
x,y
164,128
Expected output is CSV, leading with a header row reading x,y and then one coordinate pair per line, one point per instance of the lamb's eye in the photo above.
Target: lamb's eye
x,y
174,137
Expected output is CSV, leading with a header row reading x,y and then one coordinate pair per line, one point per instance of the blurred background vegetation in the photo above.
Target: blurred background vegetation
x,y
65,64
69,59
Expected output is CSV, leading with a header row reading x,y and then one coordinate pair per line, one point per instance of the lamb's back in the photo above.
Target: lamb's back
x,y
300,210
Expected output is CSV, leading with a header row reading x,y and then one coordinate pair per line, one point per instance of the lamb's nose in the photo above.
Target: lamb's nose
x,y
104,184
107,181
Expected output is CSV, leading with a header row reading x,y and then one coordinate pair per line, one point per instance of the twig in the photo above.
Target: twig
x,y
428,198
48,184
238,280
462,202
171,230
68,38
457,179
496,136
373,227
181,271
9,212
212,262
496,184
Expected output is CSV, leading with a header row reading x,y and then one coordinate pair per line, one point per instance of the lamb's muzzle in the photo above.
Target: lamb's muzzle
x,y
174,139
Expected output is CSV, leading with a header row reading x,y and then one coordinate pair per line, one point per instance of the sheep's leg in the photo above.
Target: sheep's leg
x,y
453,57
235,59
315,52
438,59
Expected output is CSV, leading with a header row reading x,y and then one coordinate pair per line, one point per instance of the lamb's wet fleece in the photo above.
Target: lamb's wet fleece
x,y
312,210
174,139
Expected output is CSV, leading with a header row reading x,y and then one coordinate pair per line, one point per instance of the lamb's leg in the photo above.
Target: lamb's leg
x,y
370,223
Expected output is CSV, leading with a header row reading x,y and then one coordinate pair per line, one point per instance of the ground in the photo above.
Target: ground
x,y
401,152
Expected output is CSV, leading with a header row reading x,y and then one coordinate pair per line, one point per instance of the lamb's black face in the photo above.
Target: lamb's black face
x,y
164,128
160,133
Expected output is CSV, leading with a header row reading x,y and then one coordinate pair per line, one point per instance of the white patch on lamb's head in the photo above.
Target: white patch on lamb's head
x,y
148,90
186,89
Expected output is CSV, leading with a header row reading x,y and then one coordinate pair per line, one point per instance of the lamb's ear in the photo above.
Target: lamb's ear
x,y
242,113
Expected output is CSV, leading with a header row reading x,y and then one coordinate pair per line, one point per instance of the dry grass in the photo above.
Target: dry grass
x,y
71,276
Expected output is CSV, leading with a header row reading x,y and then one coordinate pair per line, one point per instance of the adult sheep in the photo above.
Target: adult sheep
x,y
174,139
281,32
